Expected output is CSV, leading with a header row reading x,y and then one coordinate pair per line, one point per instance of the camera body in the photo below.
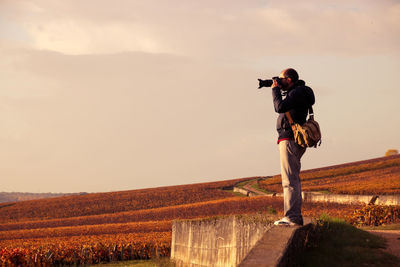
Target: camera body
x,y
268,83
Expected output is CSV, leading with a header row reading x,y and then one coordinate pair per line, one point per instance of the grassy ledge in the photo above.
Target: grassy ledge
x,y
337,243
257,187
161,262
241,184
395,226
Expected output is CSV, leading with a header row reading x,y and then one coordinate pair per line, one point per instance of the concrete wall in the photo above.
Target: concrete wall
x,y
217,241
351,199
388,200
336,198
280,246
244,192
241,191
343,199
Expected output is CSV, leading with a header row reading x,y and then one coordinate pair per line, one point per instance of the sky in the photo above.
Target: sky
x,y
100,95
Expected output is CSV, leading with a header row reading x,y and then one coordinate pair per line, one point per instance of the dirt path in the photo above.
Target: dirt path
x,y
393,240
249,187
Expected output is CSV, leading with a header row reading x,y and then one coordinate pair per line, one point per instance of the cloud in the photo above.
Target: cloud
x,y
158,92
222,29
132,117
87,37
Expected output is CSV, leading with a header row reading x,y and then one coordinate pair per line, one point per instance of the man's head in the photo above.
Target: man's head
x,y
288,78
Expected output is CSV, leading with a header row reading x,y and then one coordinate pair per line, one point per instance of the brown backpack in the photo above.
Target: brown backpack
x,y
308,134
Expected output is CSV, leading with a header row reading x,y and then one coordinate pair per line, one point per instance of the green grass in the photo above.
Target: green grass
x,y
259,217
137,263
238,194
268,210
257,187
162,262
395,226
254,186
326,192
241,184
341,244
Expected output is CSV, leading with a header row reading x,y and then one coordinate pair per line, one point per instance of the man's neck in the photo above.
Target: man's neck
x,y
290,87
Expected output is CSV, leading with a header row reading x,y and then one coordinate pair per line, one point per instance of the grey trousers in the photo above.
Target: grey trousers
x,y
290,155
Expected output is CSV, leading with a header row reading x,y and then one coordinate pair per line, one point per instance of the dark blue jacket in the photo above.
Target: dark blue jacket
x,y
298,100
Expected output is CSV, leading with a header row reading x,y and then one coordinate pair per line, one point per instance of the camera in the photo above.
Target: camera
x,y
268,83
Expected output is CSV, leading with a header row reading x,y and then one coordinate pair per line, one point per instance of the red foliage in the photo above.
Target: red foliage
x,y
83,249
378,176
95,243
101,229
375,215
137,224
106,203
232,205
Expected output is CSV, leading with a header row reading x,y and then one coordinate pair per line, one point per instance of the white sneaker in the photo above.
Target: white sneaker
x,y
285,222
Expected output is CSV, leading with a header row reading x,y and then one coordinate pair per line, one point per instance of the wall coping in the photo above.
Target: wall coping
x,y
336,198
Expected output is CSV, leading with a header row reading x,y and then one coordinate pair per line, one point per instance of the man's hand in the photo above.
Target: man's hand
x,y
275,84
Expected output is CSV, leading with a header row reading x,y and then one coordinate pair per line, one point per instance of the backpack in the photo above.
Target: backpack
x,y
308,134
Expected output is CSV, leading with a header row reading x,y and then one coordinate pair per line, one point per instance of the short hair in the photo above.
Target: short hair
x,y
292,74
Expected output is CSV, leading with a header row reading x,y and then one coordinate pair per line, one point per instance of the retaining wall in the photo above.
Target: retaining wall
x,y
244,191
216,242
280,246
351,199
336,198
388,200
342,199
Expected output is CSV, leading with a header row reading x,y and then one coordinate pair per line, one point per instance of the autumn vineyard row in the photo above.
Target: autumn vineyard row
x,y
379,176
113,202
80,250
136,224
118,228
70,245
90,249
226,206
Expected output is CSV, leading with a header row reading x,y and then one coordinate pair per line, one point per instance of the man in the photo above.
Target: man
x,y
298,99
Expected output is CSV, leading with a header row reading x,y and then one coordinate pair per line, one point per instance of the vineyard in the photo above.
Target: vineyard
x,y
106,203
377,177
84,249
42,245
136,224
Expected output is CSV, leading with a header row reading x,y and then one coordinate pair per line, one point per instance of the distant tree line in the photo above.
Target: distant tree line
x,y
18,196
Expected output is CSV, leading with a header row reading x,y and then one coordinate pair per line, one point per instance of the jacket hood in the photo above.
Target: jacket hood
x,y
300,83
296,84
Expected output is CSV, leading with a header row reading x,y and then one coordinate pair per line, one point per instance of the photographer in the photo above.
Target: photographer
x,y
298,98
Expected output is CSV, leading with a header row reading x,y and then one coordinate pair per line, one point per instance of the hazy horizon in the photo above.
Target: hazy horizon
x,y
99,97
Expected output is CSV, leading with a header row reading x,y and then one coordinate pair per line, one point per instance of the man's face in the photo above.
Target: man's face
x,y
285,82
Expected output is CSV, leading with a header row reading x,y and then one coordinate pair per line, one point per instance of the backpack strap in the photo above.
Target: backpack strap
x,y
291,122
289,117
311,113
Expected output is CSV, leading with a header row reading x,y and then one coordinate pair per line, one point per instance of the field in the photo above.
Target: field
x,y
377,177
81,241
114,202
136,224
